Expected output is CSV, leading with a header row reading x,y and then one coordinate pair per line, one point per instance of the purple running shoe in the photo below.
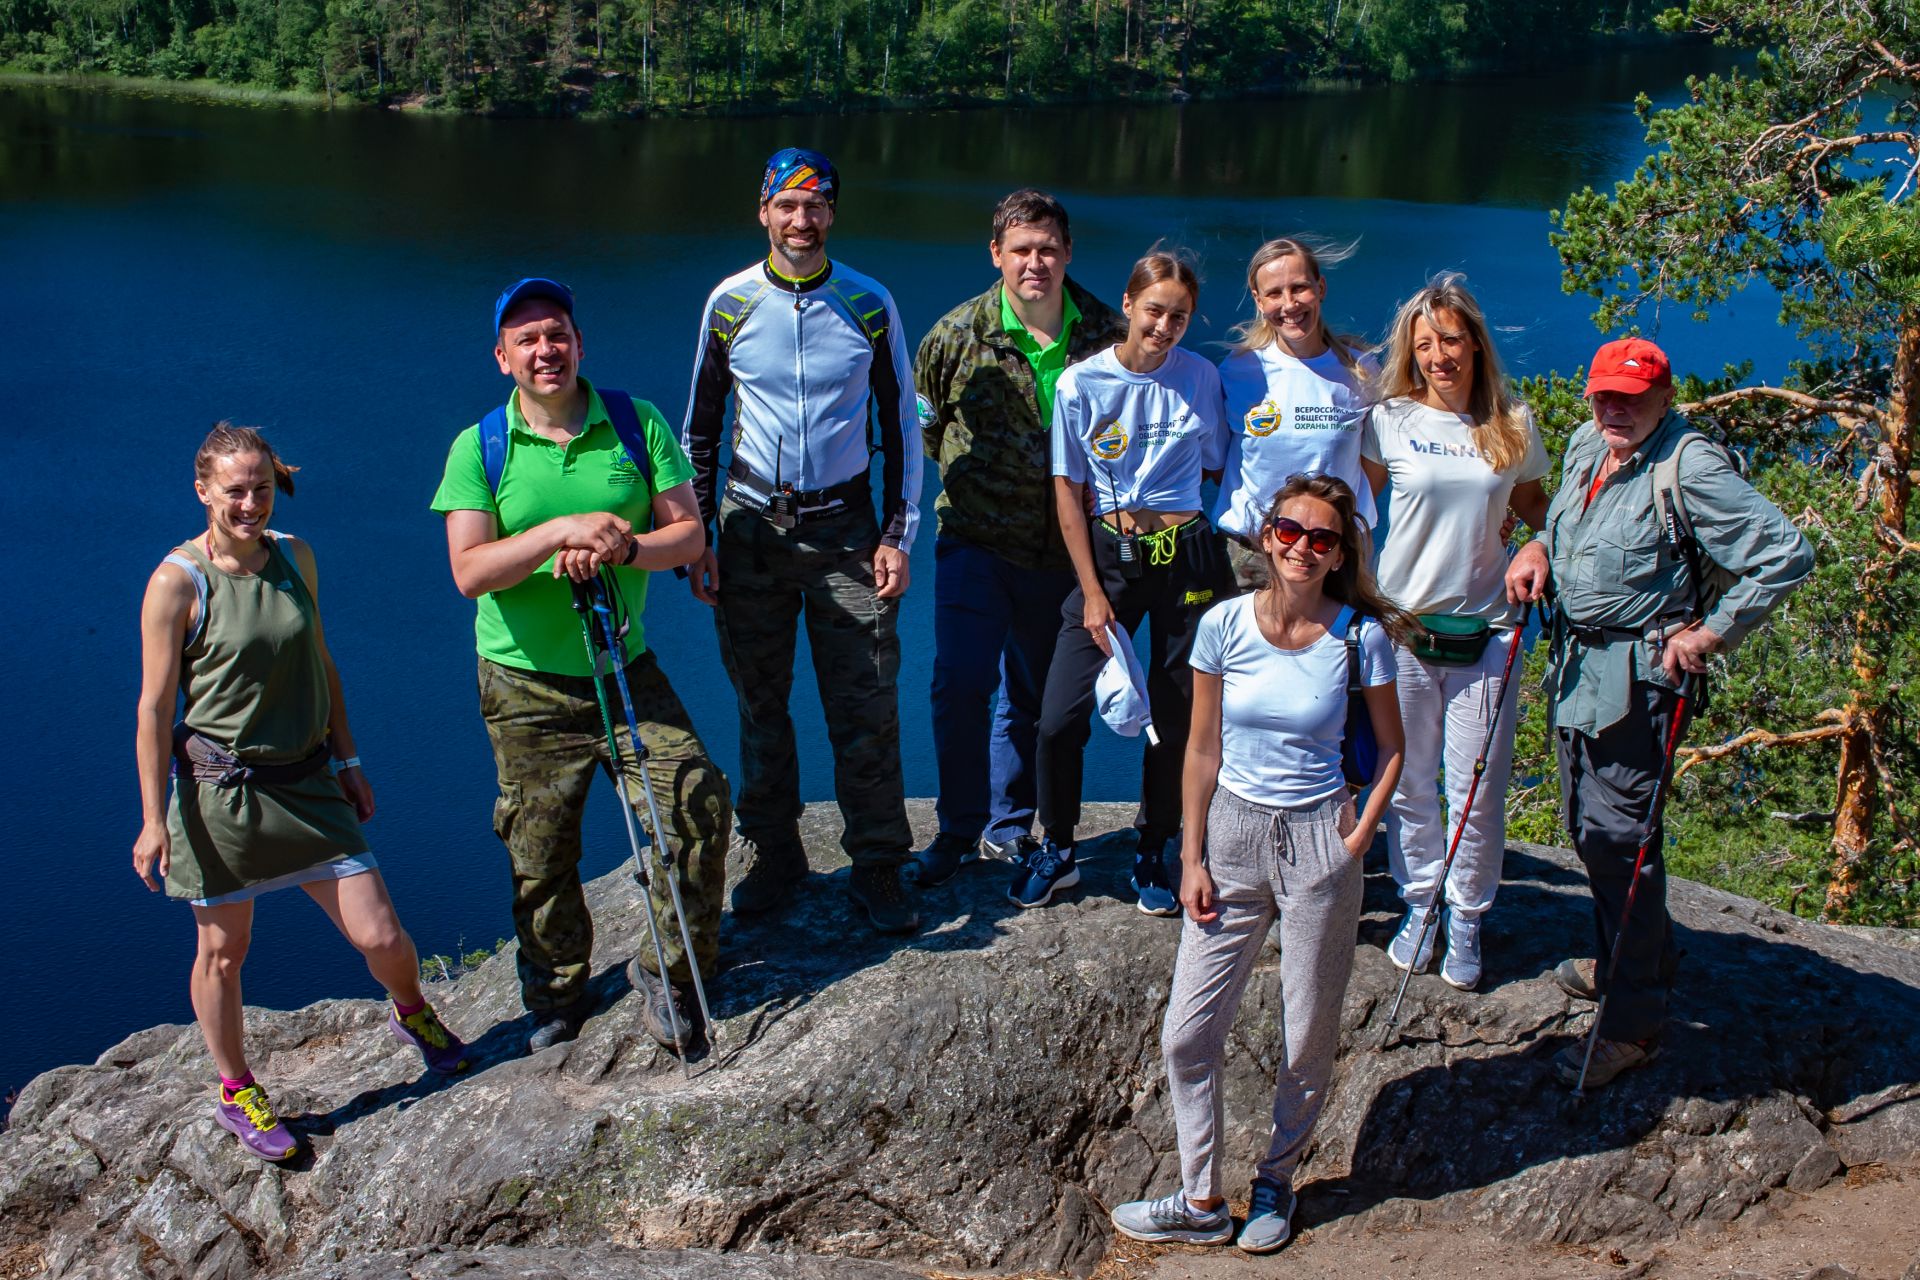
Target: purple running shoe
x,y
249,1117
423,1030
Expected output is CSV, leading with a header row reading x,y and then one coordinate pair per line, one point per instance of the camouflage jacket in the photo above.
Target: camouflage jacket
x,y
981,423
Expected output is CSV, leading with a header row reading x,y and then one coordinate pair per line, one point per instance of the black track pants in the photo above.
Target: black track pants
x,y
1171,597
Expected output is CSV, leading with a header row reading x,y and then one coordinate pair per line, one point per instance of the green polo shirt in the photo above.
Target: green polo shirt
x,y
1047,361
532,625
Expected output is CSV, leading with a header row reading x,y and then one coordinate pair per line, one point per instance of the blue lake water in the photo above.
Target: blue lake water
x,y
329,278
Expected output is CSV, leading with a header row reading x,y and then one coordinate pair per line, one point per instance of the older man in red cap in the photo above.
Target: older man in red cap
x,y
1660,555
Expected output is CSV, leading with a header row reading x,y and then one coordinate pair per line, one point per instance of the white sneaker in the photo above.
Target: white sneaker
x,y
1173,1220
1461,968
1400,950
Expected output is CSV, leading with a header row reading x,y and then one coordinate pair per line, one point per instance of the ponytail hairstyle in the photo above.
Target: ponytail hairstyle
x,y
1257,333
1164,264
227,440
1352,584
1499,418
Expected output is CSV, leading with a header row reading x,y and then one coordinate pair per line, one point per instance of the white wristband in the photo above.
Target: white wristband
x,y
351,762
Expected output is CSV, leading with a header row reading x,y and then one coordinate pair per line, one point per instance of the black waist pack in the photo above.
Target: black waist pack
x,y
205,760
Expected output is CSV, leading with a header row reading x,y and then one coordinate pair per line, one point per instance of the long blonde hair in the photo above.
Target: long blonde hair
x,y
1499,418
1257,333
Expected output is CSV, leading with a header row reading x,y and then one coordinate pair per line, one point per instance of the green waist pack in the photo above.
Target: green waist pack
x,y
1451,641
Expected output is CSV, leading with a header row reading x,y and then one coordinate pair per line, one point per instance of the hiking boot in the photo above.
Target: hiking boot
x,y
876,889
1015,850
1047,870
1610,1058
772,873
249,1117
1151,882
1400,950
1173,1220
663,1010
441,1049
940,861
1578,978
557,1026
1269,1217
1461,967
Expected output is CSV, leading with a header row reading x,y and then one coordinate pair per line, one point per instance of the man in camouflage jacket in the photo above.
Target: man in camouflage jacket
x,y
985,375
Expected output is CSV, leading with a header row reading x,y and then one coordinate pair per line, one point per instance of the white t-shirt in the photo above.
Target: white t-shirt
x,y
1139,440
1442,551
1289,417
1283,712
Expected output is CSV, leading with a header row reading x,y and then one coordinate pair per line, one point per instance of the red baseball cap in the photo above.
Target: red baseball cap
x,y
1629,366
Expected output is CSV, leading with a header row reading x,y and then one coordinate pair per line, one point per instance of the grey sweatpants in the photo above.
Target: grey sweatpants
x,y
1263,862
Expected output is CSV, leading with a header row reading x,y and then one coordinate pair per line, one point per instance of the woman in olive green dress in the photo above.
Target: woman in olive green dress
x,y
268,791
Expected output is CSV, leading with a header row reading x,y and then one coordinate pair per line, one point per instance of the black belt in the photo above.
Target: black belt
x,y
1654,632
207,761
807,502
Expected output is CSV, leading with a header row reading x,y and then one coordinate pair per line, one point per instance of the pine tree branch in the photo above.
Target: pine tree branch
x,y
1836,722
1799,399
1786,129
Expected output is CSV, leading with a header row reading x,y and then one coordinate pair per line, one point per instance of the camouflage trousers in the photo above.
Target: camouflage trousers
x,y
548,739
769,578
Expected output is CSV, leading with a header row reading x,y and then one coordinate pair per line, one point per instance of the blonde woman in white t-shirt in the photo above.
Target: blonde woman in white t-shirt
x,y
1453,451
1296,398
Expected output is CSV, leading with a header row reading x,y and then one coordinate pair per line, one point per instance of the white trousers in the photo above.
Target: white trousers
x,y
1446,711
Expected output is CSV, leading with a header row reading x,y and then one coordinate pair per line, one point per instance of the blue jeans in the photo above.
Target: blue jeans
x,y
994,626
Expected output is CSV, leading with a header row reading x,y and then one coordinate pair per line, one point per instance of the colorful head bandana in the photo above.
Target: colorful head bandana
x,y
797,169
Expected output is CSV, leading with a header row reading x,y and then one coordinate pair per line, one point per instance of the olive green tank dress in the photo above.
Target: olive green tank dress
x,y
254,683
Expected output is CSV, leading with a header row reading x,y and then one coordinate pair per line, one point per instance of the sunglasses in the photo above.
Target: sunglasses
x,y
1291,531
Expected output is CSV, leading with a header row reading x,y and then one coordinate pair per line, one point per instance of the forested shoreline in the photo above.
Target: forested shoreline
x,y
627,57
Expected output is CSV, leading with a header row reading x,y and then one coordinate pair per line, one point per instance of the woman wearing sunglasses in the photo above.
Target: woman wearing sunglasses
x,y
1270,831
1133,430
1295,400
1453,450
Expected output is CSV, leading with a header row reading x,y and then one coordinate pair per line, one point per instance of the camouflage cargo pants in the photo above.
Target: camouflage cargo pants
x,y
769,577
548,739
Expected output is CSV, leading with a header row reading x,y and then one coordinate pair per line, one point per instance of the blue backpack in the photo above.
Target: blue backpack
x,y
1359,749
495,439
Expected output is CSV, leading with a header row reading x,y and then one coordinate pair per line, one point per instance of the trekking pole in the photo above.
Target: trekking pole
x,y
583,604
1460,825
602,608
1661,785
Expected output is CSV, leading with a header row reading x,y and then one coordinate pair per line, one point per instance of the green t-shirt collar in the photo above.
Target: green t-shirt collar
x,y
596,414
1010,323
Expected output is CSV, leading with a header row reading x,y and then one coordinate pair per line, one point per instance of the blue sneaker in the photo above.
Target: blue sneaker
x,y
1150,881
1269,1217
1047,870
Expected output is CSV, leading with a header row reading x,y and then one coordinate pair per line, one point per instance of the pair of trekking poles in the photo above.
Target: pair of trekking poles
x,y
1661,786
593,601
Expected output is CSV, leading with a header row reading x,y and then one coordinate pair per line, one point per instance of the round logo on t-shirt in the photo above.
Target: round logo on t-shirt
x,y
1109,440
1264,418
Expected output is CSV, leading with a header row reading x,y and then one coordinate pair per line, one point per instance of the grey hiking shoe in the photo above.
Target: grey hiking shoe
x,y
1173,1220
1460,968
876,889
1400,950
663,1012
1610,1059
772,873
1578,978
940,861
556,1026
1269,1217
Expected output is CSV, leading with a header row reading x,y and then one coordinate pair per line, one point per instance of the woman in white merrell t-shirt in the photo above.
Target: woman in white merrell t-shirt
x,y
1453,451
1134,429
1296,400
1270,832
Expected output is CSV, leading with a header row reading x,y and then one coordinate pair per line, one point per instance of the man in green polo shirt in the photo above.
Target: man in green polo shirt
x,y
568,501
985,375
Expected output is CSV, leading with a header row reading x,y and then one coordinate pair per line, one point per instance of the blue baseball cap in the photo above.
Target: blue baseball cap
x,y
531,287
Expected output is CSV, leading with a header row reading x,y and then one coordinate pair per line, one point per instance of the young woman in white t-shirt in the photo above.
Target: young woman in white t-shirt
x,y
1453,451
1270,831
1296,400
1134,429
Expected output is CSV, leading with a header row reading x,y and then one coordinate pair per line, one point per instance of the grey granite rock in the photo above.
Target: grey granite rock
x,y
973,1098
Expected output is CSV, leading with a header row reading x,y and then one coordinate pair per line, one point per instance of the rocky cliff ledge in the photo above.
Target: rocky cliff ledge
x,y
971,1100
